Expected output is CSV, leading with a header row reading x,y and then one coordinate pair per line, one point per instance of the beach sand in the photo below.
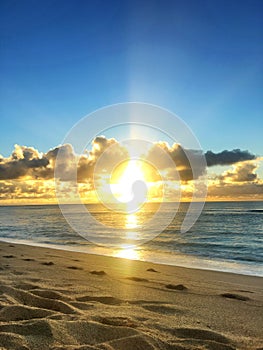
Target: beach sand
x,y
54,299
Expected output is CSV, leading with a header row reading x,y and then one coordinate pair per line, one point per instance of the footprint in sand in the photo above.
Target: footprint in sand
x,y
235,296
82,306
35,279
49,294
107,300
26,286
74,268
176,287
13,341
98,273
117,321
22,312
137,279
49,263
29,299
201,336
163,309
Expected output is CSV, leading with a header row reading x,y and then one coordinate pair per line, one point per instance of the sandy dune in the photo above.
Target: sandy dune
x,y
51,299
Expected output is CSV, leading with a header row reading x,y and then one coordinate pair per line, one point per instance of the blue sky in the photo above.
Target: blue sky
x,y
61,60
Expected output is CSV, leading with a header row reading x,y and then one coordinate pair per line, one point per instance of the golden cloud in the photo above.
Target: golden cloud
x,y
27,175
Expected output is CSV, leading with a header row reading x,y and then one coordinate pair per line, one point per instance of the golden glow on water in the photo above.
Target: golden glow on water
x,y
131,224
131,221
128,253
131,234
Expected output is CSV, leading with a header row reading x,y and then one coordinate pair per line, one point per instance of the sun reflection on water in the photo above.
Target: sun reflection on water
x,y
128,253
131,224
131,221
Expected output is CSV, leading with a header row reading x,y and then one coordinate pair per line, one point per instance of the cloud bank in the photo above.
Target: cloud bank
x,y
29,174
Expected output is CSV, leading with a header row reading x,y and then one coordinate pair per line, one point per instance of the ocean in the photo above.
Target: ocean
x,y
228,236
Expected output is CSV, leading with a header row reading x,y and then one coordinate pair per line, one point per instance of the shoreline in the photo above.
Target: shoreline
x,y
200,260
57,299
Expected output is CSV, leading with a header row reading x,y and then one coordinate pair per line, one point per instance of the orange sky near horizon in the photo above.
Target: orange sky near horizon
x,y
27,176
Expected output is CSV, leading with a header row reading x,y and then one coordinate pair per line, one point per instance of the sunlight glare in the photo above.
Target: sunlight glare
x,y
131,179
131,221
128,253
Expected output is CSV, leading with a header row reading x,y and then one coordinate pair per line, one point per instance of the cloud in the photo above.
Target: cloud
x,y
182,158
242,182
103,157
24,161
242,172
27,162
15,189
244,191
28,174
65,164
180,164
7,189
106,154
228,157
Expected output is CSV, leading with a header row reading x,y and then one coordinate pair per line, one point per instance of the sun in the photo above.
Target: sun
x,y
132,182
129,186
132,174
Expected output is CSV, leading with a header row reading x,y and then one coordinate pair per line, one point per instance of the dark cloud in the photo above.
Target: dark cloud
x,y
65,164
102,159
181,159
27,162
106,154
22,162
228,157
243,172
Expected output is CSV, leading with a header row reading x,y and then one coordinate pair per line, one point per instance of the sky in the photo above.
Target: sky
x,y
202,60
